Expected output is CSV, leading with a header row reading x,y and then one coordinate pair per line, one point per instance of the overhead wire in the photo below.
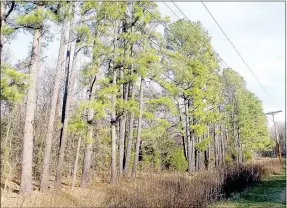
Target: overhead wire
x,y
194,27
227,39
202,60
237,51
243,95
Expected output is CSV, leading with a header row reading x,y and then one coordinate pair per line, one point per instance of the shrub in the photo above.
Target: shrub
x,y
228,160
178,161
248,155
197,190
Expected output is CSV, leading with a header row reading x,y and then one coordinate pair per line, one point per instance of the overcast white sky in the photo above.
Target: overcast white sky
x,y
257,29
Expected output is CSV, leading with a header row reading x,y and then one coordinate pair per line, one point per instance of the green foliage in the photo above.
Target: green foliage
x,y
77,125
177,160
148,116
13,84
83,34
228,159
249,113
7,31
163,101
97,106
202,146
120,38
128,106
33,19
247,155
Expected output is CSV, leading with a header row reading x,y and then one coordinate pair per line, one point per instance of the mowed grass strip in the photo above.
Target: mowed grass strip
x,y
270,192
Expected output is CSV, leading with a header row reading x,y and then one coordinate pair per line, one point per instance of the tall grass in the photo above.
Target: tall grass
x,y
161,189
198,190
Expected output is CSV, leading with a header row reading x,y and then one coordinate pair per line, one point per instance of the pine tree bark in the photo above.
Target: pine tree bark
x,y
114,133
122,131
215,145
2,13
59,68
192,137
69,87
199,156
138,139
26,186
125,150
187,132
240,156
182,135
76,164
131,133
87,158
89,142
207,151
222,146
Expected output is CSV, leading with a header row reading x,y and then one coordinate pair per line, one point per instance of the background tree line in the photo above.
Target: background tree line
x,y
120,97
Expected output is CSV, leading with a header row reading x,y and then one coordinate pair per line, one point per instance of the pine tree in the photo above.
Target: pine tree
x,y
35,22
59,74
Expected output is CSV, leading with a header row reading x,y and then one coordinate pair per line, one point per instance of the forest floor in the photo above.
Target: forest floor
x,y
94,196
270,192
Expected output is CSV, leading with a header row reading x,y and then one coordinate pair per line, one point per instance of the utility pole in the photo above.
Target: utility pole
x,y
273,113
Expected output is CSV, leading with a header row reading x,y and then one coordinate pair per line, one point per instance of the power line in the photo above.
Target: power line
x,y
233,46
193,26
228,40
171,10
164,25
225,80
243,95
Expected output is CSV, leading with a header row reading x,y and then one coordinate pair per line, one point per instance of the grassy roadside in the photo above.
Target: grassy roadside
x,y
166,189
270,192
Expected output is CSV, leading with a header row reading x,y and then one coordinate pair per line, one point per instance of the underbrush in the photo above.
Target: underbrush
x,y
199,190
161,189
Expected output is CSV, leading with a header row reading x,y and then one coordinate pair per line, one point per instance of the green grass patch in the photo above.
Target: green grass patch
x,y
270,192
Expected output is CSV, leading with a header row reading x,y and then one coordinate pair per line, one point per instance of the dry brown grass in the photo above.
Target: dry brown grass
x,y
65,198
198,190
164,189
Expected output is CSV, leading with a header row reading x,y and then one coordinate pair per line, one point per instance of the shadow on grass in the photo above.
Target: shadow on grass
x,y
267,193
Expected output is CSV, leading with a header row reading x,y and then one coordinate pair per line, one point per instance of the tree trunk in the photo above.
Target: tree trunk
x,y
64,129
189,148
125,151
215,145
207,152
88,156
240,156
26,186
122,130
235,138
199,156
89,141
138,140
218,147
47,152
2,13
182,135
226,141
222,146
131,133
114,133
192,138
195,158
76,164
